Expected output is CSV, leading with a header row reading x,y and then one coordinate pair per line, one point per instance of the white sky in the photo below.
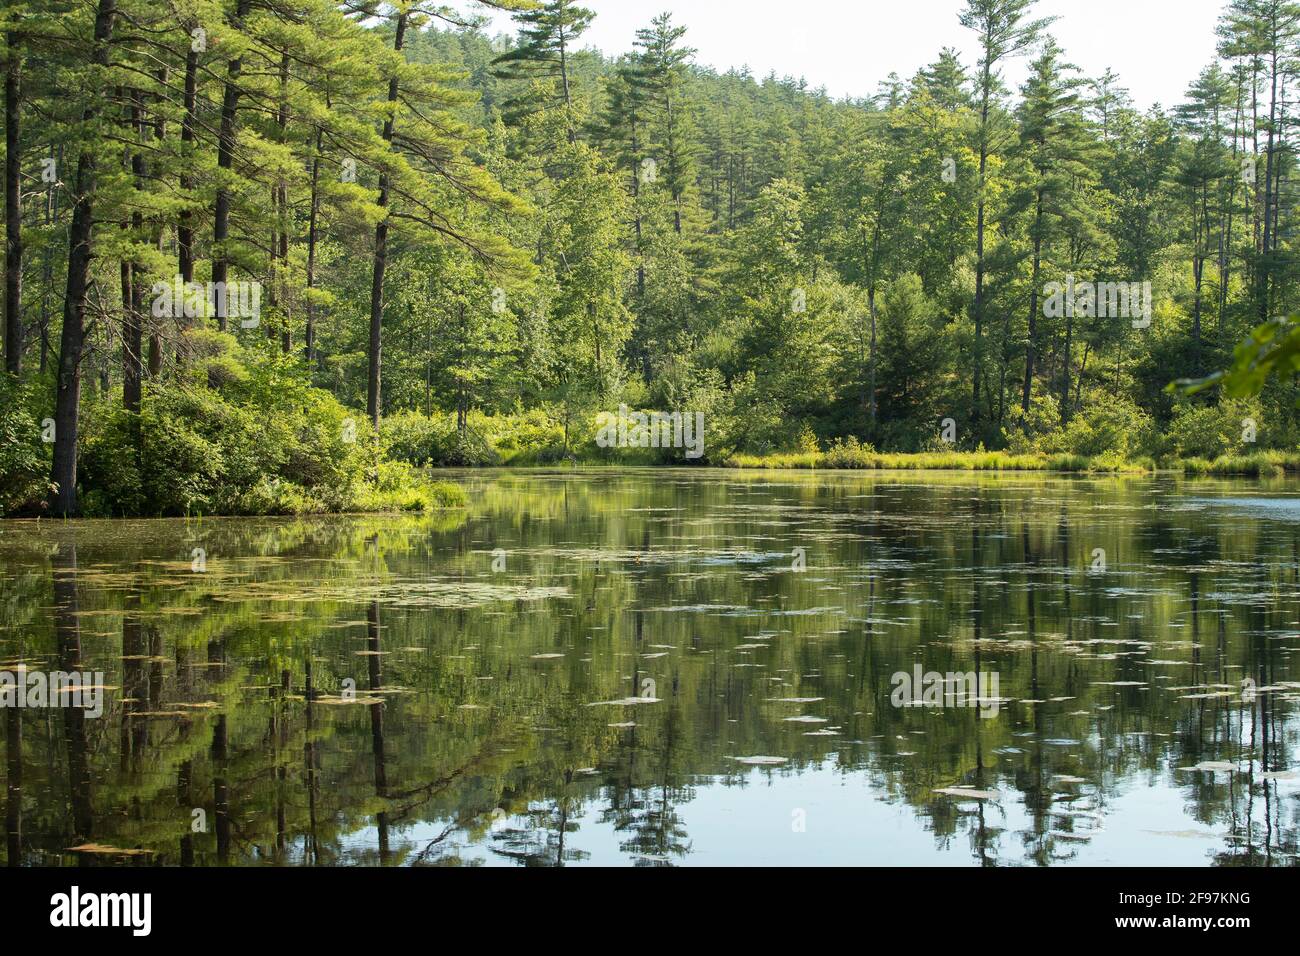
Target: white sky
x,y
1156,46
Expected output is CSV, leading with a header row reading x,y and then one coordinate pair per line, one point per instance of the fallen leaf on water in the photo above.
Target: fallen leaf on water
x,y
344,701
968,794
102,849
625,702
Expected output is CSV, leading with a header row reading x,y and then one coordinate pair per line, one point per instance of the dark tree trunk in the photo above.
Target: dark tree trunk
x,y
872,405
309,338
1031,339
13,208
373,403
133,326
226,161
67,403
1270,173
978,348
185,227
155,335
280,251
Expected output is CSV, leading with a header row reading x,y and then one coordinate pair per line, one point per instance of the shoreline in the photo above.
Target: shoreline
x,y
1269,464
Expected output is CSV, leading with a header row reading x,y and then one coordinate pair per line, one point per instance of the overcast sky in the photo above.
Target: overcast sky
x,y
1156,46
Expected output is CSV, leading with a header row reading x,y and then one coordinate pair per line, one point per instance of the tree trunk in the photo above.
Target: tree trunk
x,y
133,326
282,211
13,208
226,161
1027,394
381,259
1066,369
1266,265
564,81
978,349
184,228
67,403
157,239
309,343
871,366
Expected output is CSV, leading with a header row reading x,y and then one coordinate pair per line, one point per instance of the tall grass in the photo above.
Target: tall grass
x,y
1260,464
866,460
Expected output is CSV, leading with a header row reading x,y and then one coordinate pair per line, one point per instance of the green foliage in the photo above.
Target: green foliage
x,y
267,444
24,455
424,441
1200,430
1117,428
848,453
1271,351
556,232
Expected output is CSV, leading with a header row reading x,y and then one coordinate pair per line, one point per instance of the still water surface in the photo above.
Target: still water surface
x,y
669,668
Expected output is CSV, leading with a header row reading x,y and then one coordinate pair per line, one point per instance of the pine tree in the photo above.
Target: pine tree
x,y
548,38
663,62
63,476
1057,149
1004,32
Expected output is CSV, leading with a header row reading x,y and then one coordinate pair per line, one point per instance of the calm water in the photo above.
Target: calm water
x,y
671,668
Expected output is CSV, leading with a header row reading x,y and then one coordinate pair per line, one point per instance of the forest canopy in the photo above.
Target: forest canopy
x,y
272,256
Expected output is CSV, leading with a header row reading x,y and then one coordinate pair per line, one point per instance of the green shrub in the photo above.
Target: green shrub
x,y
848,453
24,455
1211,431
265,443
1115,427
422,440
400,487
526,432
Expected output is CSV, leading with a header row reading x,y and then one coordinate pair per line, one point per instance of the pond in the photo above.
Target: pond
x,y
668,667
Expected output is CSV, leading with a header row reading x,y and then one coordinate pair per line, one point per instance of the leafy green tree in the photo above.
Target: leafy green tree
x,y
1004,31
547,42
1058,152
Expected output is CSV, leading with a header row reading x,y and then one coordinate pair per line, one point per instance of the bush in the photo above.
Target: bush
x,y
24,456
1211,431
265,443
1033,432
424,441
1116,427
527,432
848,453
399,487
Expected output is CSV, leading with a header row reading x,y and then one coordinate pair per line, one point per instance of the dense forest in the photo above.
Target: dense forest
x,y
278,256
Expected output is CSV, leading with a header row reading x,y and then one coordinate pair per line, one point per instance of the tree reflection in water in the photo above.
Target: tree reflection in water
x,y
504,717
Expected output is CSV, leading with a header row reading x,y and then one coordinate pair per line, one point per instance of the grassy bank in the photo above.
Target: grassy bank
x,y
1201,441
923,461
1267,464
